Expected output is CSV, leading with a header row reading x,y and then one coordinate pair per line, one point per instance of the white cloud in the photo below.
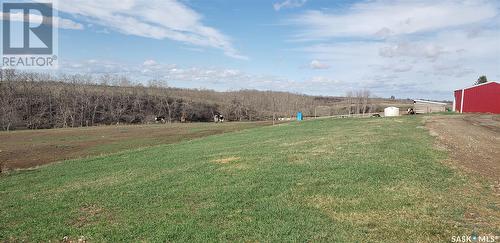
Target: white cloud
x,y
316,64
35,18
149,63
402,68
385,18
221,79
430,51
413,73
157,19
322,81
406,48
289,4
453,70
369,45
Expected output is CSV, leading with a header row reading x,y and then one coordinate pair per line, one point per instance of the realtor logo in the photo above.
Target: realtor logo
x,y
28,35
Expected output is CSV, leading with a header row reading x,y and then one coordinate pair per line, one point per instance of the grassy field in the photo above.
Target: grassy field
x,y
30,148
346,180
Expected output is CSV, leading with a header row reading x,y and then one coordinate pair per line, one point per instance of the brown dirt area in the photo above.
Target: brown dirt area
x,y
473,141
31,148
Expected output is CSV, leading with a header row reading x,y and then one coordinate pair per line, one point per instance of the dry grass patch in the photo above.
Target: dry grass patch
x,y
226,160
235,167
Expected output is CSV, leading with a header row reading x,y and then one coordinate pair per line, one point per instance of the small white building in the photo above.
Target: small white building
x,y
391,111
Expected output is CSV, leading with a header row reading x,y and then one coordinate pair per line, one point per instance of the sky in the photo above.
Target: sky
x,y
410,49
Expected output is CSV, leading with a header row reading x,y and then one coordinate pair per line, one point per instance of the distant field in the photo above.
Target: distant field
x,y
28,148
344,180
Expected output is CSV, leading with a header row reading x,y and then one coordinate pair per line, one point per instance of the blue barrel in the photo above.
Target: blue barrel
x,y
299,116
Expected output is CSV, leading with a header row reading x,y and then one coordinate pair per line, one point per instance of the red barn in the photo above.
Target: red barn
x,y
483,98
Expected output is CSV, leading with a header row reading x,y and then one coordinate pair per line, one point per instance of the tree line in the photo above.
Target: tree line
x,y
38,101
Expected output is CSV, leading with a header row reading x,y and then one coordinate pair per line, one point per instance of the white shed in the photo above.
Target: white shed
x,y
391,111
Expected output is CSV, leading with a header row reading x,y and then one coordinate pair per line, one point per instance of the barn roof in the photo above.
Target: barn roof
x,y
430,102
475,86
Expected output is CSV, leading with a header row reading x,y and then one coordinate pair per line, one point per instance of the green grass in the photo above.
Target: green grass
x,y
326,180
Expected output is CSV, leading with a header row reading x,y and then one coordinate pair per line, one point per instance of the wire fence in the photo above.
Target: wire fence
x,y
361,115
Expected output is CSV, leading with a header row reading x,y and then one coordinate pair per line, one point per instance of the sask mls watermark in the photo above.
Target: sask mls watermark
x,y
475,238
29,35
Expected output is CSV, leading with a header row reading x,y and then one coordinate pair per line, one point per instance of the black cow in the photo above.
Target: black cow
x,y
161,119
218,118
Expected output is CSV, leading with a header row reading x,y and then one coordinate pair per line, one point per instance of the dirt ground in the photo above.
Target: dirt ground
x,y
31,148
473,141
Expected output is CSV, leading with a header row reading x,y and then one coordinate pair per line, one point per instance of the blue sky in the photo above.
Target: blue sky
x,y
416,49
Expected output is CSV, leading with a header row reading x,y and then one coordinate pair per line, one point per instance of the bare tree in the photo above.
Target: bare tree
x,y
349,101
365,99
35,100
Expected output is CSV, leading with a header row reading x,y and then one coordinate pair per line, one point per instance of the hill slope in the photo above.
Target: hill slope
x,y
35,101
